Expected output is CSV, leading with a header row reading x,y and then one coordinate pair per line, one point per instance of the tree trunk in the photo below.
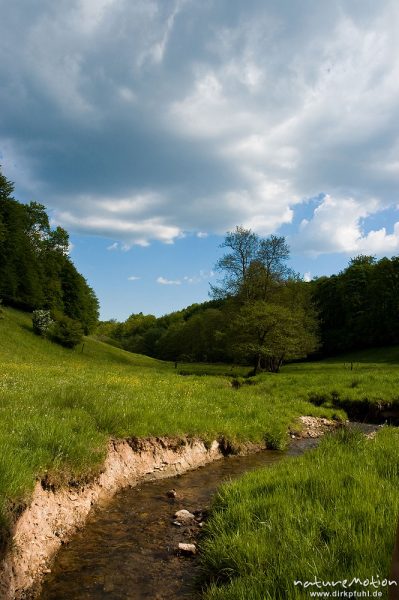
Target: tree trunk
x,y
258,364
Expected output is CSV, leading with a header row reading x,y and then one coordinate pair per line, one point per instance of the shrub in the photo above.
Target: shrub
x,y
41,321
67,332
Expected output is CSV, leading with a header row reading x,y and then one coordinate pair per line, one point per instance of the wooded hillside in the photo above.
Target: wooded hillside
x,y
35,269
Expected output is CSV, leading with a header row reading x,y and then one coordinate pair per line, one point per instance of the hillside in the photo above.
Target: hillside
x,y
59,407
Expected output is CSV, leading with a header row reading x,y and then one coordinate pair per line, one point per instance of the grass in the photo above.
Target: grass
x,y
328,515
363,383
59,407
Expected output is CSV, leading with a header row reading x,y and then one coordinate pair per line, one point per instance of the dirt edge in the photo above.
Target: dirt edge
x,y
53,516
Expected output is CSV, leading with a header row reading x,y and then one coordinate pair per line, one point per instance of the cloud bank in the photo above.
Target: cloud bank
x,y
143,120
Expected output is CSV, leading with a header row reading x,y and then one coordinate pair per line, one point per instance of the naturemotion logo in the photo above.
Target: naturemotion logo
x,y
346,588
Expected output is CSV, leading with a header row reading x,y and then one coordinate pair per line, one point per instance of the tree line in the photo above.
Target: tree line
x,y
36,271
261,313
359,307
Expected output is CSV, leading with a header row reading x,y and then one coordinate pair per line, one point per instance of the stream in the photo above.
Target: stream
x,y
127,549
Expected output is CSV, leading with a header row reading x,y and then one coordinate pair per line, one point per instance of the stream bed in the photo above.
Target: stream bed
x,y
127,549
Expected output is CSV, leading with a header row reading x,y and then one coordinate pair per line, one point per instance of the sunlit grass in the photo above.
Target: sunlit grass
x,y
330,514
59,407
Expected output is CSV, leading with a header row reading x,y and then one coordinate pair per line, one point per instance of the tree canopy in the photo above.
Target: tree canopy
x,y
261,313
253,266
36,271
359,307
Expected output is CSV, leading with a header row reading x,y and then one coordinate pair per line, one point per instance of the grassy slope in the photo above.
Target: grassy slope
x,y
58,407
330,514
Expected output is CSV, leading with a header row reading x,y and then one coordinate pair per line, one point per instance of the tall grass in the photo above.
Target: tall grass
x,y
329,515
59,407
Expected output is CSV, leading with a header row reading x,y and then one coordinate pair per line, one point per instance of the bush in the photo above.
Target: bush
x,y
67,332
41,321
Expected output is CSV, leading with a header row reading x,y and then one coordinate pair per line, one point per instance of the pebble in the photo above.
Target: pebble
x,y
188,549
184,516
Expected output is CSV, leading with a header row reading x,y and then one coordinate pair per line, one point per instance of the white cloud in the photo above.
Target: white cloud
x,y
155,53
133,232
202,234
337,226
133,278
142,120
164,281
192,280
90,13
113,246
198,278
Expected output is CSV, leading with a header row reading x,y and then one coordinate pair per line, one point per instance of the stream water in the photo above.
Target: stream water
x,y
127,550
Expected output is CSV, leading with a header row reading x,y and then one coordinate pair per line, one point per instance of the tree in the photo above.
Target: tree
x,y
359,307
271,313
66,331
200,337
267,334
21,270
253,268
6,187
244,245
79,300
35,270
41,321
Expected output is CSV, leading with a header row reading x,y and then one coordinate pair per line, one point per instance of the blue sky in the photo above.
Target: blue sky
x,y
149,128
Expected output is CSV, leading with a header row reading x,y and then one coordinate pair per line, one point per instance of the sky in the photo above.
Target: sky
x,y
150,128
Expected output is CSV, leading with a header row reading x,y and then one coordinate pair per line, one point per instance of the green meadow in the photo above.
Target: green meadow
x,y
329,515
59,407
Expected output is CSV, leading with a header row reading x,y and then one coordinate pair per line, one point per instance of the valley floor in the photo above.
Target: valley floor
x,y
59,408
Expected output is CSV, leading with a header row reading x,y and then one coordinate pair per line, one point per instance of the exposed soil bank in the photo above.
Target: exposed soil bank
x,y
364,410
371,412
129,545
53,516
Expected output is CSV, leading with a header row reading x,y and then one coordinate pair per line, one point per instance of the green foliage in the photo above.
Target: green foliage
x,y
262,313
268,333
59,406
67,332
271,318
79,300
359,307
193,334
35,270
41,321
253,266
